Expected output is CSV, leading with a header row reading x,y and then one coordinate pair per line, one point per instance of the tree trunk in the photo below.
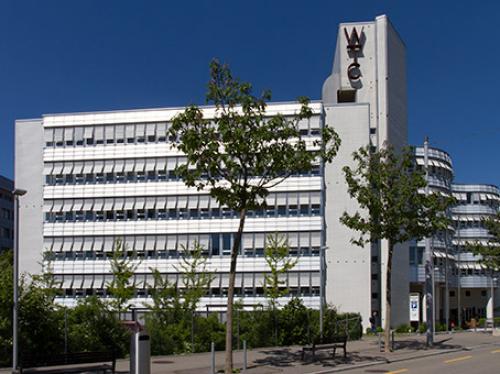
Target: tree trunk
x,y
228,366
388,300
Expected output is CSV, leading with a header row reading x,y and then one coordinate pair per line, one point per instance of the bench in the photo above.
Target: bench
x,y
332,342
79,362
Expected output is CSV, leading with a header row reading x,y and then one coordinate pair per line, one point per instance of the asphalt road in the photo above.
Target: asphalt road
x,y
480,360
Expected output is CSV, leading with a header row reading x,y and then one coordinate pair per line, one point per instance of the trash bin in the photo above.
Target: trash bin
x,y
140,353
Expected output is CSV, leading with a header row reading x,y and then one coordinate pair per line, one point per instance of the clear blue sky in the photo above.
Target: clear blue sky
x,y
66,56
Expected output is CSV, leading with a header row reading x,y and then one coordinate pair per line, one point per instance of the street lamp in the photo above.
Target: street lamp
x,y
492,290
15,341
429,268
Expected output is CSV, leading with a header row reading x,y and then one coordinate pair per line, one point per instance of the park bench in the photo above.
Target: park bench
x,y
332,342
98,362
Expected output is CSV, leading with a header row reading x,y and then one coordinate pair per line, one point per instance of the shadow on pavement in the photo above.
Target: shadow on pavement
x,y
287,357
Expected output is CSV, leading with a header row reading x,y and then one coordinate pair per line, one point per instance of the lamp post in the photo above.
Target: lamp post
x,y
492,290
429,268
15,339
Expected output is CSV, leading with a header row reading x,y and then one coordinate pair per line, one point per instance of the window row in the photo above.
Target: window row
x,y
135,177
239,292
179,214
166,246
304,283
174,207
134,133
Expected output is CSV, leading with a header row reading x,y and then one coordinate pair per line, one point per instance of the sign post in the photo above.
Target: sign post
x,y
414,307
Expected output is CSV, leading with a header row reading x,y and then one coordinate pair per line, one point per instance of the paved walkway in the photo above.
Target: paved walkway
x,y
287,360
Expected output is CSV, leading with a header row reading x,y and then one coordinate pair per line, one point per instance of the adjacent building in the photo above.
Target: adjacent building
x,y
463,287
6,214
477,293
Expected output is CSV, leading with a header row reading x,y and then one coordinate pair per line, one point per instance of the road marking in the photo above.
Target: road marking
x,y
457,359
397,371
496,351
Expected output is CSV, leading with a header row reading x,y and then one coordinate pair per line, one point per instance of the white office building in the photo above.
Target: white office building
x,y
463,286
96,177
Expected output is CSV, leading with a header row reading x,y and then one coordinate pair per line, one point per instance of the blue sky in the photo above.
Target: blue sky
x,y
66,56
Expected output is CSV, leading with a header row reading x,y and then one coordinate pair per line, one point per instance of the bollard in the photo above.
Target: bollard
x,y
392,343
212,348
244,356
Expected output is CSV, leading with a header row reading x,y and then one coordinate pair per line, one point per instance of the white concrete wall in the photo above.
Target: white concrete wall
x,y
29,176
347,265
382,88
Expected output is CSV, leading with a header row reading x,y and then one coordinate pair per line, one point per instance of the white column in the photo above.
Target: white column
x,y
424,306
489,306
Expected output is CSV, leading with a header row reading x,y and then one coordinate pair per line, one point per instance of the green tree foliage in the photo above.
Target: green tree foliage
x,y
92,326
241,153
6,305
277,257
196,279
123,268
388,189
174,307
40,327
490,253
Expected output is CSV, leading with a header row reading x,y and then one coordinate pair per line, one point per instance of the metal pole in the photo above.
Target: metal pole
x,y
321,289
446,287
492,300
15,338
244,356
192,331
212,349
429,291
65,330
459,280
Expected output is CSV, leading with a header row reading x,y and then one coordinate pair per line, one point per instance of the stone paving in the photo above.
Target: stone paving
x,y
288,360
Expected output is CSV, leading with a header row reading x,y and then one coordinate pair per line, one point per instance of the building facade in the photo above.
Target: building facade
x,y
93,178
478,293
6,214
463,287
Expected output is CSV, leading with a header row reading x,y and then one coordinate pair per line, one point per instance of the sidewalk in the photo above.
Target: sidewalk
x,y
287,360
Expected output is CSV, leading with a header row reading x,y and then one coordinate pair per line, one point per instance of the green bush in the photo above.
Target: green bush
x,y
422,328
93,327
404,328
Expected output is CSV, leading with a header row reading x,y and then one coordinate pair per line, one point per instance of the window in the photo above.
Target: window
x,y
346,96
214,243
483,293
452,293
226,244
467,293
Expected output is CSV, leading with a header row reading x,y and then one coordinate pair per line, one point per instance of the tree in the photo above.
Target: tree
x,y
276,255
92,327
388,189
123,269
196,279
490,252
241,153
173,305
6,305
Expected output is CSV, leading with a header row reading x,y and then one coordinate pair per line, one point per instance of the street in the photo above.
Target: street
x,y
484,359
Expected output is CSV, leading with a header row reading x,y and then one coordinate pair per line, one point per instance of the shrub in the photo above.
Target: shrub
x,y
404,328
422,328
